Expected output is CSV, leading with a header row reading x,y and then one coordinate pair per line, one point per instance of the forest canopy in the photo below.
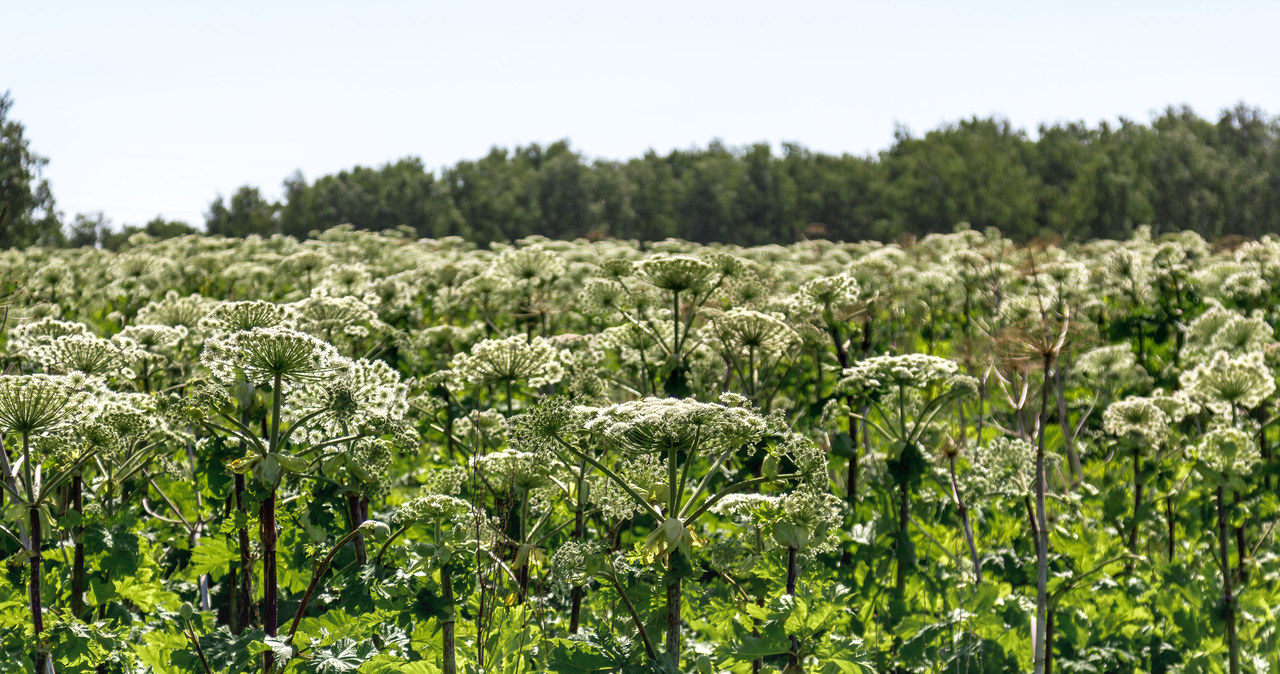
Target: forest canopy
x,y
1067,180
1072,181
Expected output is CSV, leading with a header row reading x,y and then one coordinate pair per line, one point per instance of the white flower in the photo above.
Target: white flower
x,y
1002,467
661,424
247,315
431,508
513,359
826,292
882,373
40,403
1136,418
1229,451
677,273
1225,382
82,353
743,330
259,355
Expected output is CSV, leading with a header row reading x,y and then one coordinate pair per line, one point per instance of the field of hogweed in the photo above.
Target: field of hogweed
x,y
369,453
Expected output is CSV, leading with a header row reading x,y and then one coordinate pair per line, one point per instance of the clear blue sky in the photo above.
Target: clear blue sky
x,y
155,108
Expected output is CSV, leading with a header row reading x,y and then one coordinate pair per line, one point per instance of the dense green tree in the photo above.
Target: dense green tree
x,y
27,212
88,230
247,213
1072,181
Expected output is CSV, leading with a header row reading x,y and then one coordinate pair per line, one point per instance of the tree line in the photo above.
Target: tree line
x,y
1069,180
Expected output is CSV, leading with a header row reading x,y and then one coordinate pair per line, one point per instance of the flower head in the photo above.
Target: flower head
x,y
247,315
577,561
1138,419
259,355
513,359
1225,382
883,373
431,508
661,424
676,273
38,403
1229,451
81,353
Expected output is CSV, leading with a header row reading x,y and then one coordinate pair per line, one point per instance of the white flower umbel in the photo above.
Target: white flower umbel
x,y
260,355
25,337
665,424
884,373
1229,451
1137,419
675,273
1227,383
39,403
1004,467
509,361
247,315
82,353
826,294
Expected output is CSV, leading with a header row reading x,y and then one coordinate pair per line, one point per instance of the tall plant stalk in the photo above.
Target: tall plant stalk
x,y
1040,644
1228,595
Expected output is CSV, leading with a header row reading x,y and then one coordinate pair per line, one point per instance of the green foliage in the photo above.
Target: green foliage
x,y
461,460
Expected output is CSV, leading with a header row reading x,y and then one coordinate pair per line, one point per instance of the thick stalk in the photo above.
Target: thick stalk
x,y
1048,640
1064,420
842,355
267,536
354,520
1228,596
968,528
579,529
448,625
1042,525
37,611
793,574
1242,569
522,574
77,559
1168,516
673,618
270,590
1137,504
900,568
244,593
242,616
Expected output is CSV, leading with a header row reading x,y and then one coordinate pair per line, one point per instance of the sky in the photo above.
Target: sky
x,y
155,108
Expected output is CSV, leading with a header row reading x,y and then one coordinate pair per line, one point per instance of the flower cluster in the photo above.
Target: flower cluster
x,y
514,359
39,403
1002,467
884,373
826,293
675,273
259,355
431,508
660,424
577,561
82,353
246,315
1138,419
1225,383
1229,451
740,331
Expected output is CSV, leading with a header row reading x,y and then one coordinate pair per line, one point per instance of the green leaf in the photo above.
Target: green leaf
x,y
213,556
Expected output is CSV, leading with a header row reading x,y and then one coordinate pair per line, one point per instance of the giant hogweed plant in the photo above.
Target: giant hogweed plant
x,y
353,406
1119,385
668,462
